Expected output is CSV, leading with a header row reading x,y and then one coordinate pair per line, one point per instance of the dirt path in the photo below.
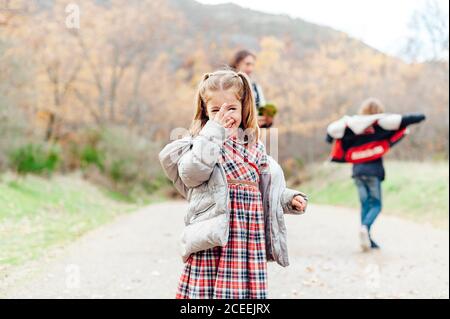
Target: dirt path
x,y
136,257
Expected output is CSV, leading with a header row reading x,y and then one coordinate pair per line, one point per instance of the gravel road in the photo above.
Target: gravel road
x,y
136,256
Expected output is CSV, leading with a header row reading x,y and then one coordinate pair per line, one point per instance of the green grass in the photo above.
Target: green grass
x,y
418,191
38,213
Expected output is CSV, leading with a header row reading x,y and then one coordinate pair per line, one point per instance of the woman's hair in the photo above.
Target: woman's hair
x,y
239,57
220,81
371,106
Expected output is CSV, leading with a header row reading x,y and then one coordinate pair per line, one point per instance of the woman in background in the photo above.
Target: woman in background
x,y
244,61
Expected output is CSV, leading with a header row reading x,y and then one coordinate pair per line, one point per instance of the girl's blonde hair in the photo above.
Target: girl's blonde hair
x,y
220,81
371,106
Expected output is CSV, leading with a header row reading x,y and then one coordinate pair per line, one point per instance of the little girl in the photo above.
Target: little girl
x,y
238,269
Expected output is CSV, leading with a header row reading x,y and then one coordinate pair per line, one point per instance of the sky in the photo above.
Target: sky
x,y
382,24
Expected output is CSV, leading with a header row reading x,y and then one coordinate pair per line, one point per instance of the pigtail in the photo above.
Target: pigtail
x,y
200,116
249,115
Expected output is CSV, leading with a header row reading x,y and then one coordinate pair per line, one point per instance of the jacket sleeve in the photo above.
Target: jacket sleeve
x,y
169,157
196,165
409,119
286,194
286,201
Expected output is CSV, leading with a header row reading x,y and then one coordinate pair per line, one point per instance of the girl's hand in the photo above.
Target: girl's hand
x,y
299,203
223,118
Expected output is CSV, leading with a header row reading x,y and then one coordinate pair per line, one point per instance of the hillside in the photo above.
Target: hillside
x,y
232,25
137,64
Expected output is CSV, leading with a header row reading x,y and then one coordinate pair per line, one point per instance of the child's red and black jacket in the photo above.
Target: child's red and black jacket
x,y
365,138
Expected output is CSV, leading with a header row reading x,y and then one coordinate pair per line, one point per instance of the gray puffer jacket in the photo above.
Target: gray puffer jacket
x,y
191,163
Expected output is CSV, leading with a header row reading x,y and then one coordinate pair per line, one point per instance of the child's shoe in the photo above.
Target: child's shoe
x,y
364,238
374,245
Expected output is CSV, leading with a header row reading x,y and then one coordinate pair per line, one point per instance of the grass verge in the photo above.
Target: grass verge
x,y
418,191
37,213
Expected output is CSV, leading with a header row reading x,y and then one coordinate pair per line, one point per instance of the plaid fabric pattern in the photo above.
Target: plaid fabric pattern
x,y
239,269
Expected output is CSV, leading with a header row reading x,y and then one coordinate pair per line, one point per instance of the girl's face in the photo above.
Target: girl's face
x,y
247,65
228,98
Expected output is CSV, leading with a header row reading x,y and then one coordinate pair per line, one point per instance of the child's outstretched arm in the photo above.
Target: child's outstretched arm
x,y
292,201
195,167
412,118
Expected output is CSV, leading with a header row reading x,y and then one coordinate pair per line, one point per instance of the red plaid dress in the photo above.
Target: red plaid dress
x,y
239,269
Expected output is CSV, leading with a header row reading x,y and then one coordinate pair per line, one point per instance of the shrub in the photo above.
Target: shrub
x,y
129,160
90,155
13,131
35,158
